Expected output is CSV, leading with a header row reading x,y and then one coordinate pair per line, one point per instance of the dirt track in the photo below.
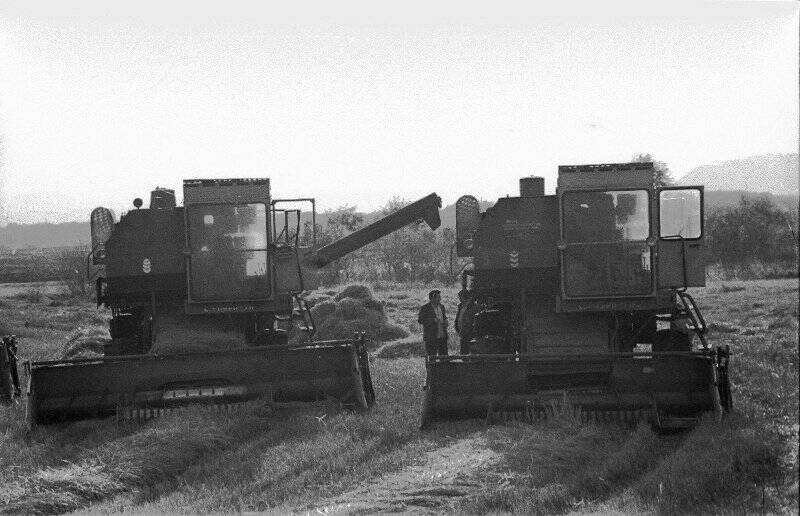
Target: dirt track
x,y
433,484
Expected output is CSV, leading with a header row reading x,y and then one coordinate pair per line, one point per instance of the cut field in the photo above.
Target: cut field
x,y
256,459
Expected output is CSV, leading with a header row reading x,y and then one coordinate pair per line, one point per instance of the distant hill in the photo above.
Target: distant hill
x,y
44,234
773,173
448,213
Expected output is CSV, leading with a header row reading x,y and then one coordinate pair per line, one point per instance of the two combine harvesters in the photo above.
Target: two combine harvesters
x,y
579,300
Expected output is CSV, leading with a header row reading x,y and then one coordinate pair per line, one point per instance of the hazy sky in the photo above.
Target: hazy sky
x,y
355,106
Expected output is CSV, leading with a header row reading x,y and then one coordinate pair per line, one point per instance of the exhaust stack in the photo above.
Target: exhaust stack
x,y
531,186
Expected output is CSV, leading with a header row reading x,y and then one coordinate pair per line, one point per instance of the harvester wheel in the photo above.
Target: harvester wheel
x,y
425,419
724,380
363,365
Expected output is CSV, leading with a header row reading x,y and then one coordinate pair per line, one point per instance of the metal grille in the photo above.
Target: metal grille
x,y
468,217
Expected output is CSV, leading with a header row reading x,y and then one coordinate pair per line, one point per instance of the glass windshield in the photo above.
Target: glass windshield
x,y
225,226
610,216
679,213
229,257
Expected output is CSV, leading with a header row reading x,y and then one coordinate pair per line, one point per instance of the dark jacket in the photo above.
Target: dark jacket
x,y
427,318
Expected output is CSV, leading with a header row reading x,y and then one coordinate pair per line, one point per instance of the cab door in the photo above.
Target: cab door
x,y
680,254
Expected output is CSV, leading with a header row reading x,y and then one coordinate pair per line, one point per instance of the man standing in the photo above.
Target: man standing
x,y
465,318
434,325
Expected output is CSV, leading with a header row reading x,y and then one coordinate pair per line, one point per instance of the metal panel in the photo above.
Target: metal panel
x,y
680,261
606,176
146,244
226,191
518,233
468,219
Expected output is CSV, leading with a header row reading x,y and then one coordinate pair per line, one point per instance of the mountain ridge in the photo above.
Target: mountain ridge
x,y
772,173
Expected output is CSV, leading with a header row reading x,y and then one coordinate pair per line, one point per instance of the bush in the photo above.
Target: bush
x,y
754,231
752,270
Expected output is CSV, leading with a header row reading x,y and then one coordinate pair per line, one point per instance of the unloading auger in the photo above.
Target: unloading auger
x,y
579,301
229,265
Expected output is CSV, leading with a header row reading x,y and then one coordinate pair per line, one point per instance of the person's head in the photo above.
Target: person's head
x,y
434,296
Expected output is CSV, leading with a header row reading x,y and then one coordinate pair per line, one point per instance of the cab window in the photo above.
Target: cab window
x,y
679,213
610,216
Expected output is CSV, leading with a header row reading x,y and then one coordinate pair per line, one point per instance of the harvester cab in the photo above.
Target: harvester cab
x,y
204,298
587,293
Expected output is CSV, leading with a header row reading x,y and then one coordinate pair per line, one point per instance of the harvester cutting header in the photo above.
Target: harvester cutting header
x,y
225,273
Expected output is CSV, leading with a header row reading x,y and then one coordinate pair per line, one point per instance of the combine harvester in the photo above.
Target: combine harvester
x,y
580,299
229,267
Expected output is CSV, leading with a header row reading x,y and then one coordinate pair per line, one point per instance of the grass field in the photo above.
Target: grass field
x,y
257,459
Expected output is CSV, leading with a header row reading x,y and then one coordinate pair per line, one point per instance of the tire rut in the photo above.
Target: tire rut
x,y
436,483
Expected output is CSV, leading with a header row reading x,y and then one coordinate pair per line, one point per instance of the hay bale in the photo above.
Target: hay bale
x,y
373,304
353,310
322,310
402,349
388,332
361,293
350,309
354,292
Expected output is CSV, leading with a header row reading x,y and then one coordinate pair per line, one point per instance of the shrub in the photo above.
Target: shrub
x,y
754,231
70,265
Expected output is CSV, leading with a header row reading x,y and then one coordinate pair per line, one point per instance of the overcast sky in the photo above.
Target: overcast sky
x,y
355,106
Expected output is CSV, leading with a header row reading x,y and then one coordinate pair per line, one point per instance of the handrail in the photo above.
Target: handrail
x,y
90,257
695,315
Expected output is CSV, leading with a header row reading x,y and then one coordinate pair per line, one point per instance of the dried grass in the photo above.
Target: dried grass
x,y
355,310
409,347
86,343
131,462
249,462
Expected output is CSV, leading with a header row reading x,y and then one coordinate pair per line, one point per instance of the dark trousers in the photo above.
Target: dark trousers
x,y
436,346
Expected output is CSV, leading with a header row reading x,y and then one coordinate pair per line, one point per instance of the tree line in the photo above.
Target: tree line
x,y
753,232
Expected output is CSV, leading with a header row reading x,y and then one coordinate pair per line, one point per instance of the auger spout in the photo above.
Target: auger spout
x,y
426,209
